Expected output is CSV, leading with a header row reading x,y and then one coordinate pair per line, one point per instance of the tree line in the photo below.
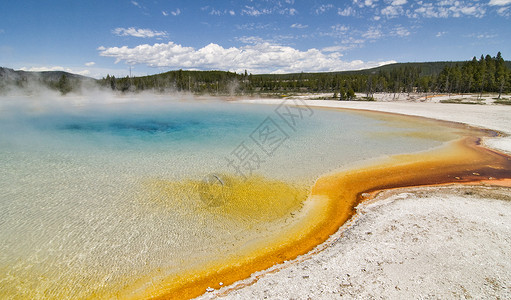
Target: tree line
x,y
486,74
479,75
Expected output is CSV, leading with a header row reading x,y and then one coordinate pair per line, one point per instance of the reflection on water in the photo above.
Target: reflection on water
x,y
96,197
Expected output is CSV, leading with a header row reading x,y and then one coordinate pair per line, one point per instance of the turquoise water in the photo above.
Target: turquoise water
x,y
76,217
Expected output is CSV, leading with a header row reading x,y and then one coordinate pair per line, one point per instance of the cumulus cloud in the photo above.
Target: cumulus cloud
x,y
257,58
499,2
90,64
142,33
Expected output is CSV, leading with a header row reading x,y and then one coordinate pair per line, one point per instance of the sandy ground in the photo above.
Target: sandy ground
x,y
485,98
435,98
425,243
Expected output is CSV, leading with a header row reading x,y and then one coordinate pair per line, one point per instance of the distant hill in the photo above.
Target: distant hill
x,y
426,69
56,80
410,76
12,75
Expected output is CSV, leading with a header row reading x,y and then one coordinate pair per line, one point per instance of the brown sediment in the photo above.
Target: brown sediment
x,y
332,202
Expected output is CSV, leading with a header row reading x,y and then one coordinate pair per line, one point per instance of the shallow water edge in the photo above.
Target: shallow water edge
x,y
332,202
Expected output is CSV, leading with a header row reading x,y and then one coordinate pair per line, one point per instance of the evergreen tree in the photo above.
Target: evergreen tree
x,y
64,86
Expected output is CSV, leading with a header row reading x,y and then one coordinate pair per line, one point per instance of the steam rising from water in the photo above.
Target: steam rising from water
x,y
97,192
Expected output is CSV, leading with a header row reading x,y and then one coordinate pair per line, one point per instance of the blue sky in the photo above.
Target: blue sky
x,y
96,38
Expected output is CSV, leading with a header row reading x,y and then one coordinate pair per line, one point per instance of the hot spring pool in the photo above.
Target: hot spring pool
x,y
100,198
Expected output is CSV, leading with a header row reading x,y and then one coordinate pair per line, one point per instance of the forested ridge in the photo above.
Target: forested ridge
x,y
479,75
30,82
484,74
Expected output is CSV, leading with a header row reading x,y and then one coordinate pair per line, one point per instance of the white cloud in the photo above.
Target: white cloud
x,y
90,64
338,28
347,12
255,26
142,33
504,11
136,4
481,35
256,58
499,2
299,26
43,69
176,12
399,2
486,36
441,33
392,11
277,9
368,3
251,40
164,13
334,49
323,8
251,11
215,12
449,8
373,33
400,31
92,71
289,11
56,68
